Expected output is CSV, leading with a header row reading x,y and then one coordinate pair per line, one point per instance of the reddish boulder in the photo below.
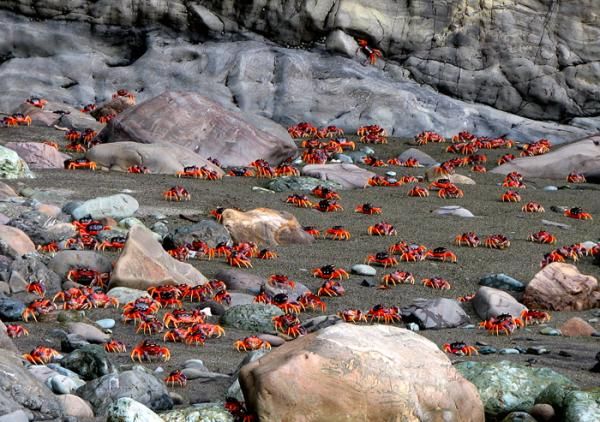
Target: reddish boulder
x,y
38,155
14,242
574,327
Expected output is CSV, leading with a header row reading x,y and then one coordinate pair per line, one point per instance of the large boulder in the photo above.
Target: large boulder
x,y
38,155
20,390
265,226
561,287
11,165
580,157
144,263
195,122
158,158
349,176
351,372
489,302
14,243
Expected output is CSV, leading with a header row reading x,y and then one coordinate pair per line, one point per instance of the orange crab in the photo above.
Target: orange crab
x,y
510,196
286,170
331,288
325,193
506,158
313,231
352,315
177,193
496,241
502,324
424,138
441,254
467,239
578,214
36,102
327,205
337,233
382,229
299,200
383,181
382,258
147,350
79,163
16,331
372,53
532,207
123,93
238,259
368,209
115,346
542,237
398,277
575,177
36,287
41,355
263,168
459,348
450,191
176,377
266,254
534,317
289,324
310,300
137,169
418,192
330,272
437,283
36,308
388,315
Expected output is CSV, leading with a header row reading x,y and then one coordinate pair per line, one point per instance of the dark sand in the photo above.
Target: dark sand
x,y
414,221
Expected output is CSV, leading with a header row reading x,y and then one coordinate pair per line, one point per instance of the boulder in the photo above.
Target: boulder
x,y
561,287
251,317
581,157
59,114
75,406
38,155
21,391
42,228
340,42
213,412
64,261
507,386
125,294
137,384
377,372
208,231
195,122
435,313
11,309
502,282
144,263
574,327
265,227
129,410
116,206
31,268
14,243
349,176
88,332
241,280
11,165
422,157
90,362
489,302
158,158
576,405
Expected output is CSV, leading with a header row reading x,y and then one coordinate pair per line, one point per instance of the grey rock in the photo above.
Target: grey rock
x,y
537,350
88,332
502,282
454,210
274,341
129,222
320,322
300,183
241,280
576,405
28,269
292,292
137,384
160,229
60,384
195,373
11,309
238,299
116,206
487,350
42,228
368,282
423,158
519,417
213,412
349,176
64,261
129,410
556,224
16,416
509,351
235,390
549,331
339,42
71,342
208,231
90,362
125,294
251,317
362,269
550,188
412,326
489,302
435,313
106,323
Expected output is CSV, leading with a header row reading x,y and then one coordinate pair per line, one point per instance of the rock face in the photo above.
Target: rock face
x,y
158,158
377,372
349,176
561,287
581,157
265,226
19,390
203,126
144,263
38,155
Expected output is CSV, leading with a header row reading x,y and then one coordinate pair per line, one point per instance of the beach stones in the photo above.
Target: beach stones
x,y
241,280
11,309
454,210
265,227
574,327
251,317
561,287
14,242
11,165
208,231
88,332
502,282
349,176
575,405
506,386
435,313
75,406
28,269
203,126
489,302
214,412
355,362
125,294
129,410
90,362
144,263
5,341
365,270
38,155
116,206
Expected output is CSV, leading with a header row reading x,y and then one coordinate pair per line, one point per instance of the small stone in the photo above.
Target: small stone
x,y
454,210
542,412
107,323
11,309
274,341
129,222
320,322
549,331
502,282
550,188
412,326
367,150
59,384
537,350
365,270
70,316
487,350
509,351
251,317
576,326
390,173
368,282
177,398
87,332
556,224
565,354
468,327
519,417
129,410
126,294
195,363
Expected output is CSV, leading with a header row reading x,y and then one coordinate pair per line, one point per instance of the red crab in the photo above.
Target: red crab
x,y
388,315
176,377
352,315
147,350
313,231
125,94
368,209
466,298
182,316
441,254
327,205
510,196
263,168
383,181
281,281
176,335
578,214
459,348
575,177
330,272
534,317
16,331
88,277
37,308
241,172
149,324
286,170
418,192
312,301
496,241
398,277
331,288
114,243
325,193
36,102
424,138
503,323
282,302
177,193
237,259
382,258
506,158
289,324
337,233
437,283
266,254
36,287
75,147
479,168
79,163
73,135
450,191
41,355
382,229
315,156
238,410
166,296
372,161
138,169
532,207
115,346
88,108
542,237
251,343
467,239
300,201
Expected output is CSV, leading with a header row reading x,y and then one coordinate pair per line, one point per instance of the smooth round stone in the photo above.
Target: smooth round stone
x,y
487,350
509,351
454,210
537,350
550,188
367,150
195,363
368,282
107,323
468,327
549,331
343,158
59,384
412,326
274,341
391,173
362,269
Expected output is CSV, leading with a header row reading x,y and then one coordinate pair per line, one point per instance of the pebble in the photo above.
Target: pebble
x,y
362,269
177,399
107,323
549,331
454,210
367,150
391,173
487,350
11,309
537,350
195,363
412,326
261,189
565,354
550,188
503,282
509,351
160,229
468,327
159,370
555,224
368,282
274,341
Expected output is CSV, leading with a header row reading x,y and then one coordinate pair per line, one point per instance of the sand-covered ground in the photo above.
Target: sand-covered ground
x,y
414,221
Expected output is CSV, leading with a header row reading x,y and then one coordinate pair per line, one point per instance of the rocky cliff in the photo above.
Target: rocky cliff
x,y
537,59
